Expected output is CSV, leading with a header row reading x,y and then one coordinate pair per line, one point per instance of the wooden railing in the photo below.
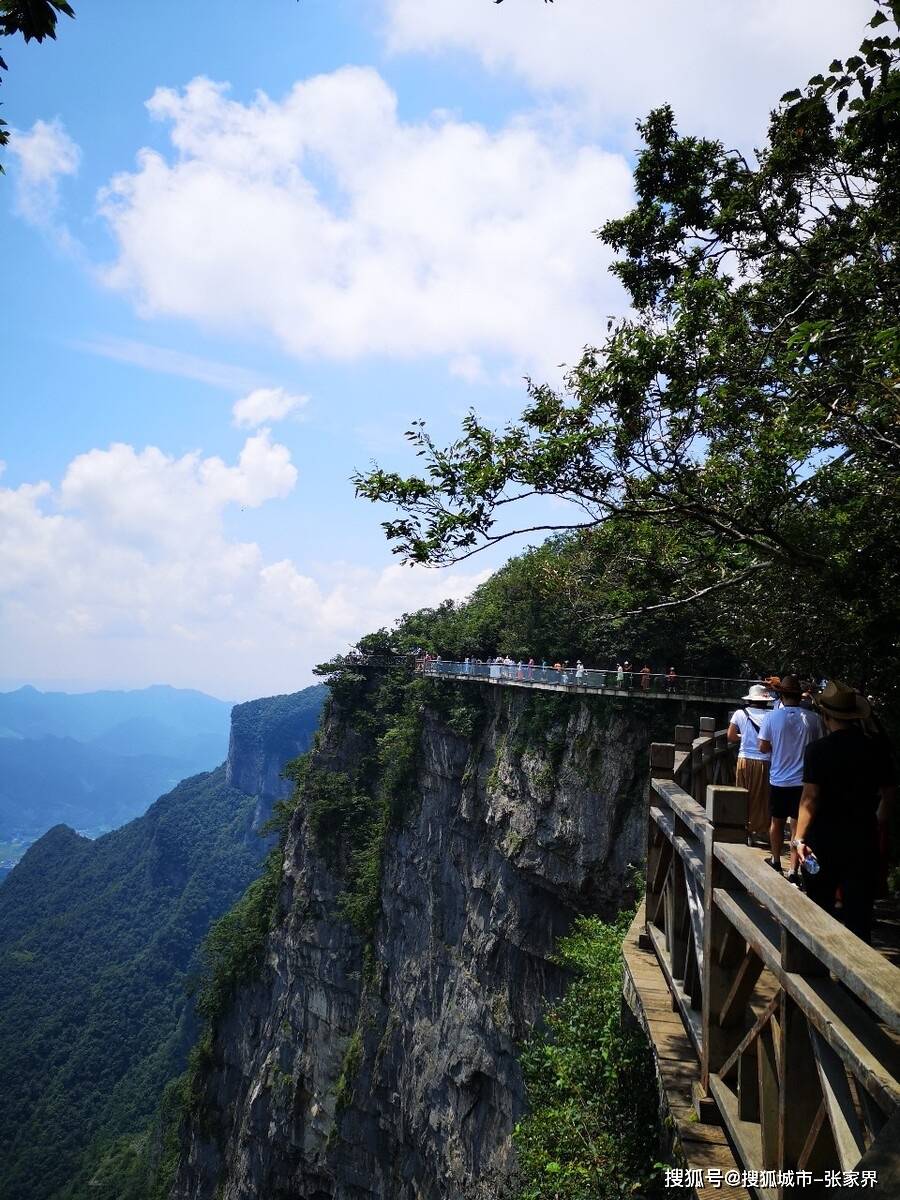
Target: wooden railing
x,y
794,1020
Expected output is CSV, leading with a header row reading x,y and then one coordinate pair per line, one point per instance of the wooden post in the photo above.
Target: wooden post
x,y
662,760
726,810
800,1095
684,738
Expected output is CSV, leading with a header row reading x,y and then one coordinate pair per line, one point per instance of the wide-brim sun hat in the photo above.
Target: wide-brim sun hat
x,y
758,692
789,686
842,702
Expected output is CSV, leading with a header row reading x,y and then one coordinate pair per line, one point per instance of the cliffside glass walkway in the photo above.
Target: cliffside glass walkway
x,y
776,1032
589,681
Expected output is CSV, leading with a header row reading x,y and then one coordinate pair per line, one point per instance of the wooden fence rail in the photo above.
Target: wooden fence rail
x,y
794,1020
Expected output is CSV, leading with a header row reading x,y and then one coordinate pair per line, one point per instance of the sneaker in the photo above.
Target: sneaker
x,y
794,878
774,864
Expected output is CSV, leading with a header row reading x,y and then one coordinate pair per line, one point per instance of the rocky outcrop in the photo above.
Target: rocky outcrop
x,y
266,734
391,1072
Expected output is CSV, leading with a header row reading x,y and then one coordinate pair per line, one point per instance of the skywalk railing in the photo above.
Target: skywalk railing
x,y
652,685
794,1020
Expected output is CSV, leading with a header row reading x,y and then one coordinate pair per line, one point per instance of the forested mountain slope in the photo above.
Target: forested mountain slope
x,y
97,940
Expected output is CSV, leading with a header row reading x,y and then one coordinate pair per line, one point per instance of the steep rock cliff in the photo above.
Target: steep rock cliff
x,y
266,734
391,1071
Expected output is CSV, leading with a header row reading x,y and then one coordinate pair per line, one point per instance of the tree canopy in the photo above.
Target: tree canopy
x,y
34,20
747,406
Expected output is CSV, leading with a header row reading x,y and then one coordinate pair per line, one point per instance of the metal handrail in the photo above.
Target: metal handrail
x,y
591,679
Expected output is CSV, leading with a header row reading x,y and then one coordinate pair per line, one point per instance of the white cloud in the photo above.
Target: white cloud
x,y
264,405
722,64
127,561
326,221
170,362
43,155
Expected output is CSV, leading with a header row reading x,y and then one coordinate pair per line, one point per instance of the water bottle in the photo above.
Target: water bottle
x,y
811,864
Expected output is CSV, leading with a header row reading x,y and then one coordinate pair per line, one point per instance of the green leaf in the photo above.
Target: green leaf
x,y
879,19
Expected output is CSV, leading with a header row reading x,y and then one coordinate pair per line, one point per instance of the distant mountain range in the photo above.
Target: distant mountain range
x,y
98,759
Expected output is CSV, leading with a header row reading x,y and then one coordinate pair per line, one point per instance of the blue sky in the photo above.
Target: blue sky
x,y
352,214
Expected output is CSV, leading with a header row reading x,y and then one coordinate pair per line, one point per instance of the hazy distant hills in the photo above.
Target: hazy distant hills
x,y
98,759
98,937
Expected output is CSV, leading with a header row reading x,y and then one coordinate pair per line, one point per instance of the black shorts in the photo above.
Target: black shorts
x,y
784,801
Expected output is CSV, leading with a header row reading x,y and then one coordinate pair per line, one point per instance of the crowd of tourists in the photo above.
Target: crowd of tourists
x,y
623,675
819,763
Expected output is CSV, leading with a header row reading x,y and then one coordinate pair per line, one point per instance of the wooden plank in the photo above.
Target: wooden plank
x,y
768,1097
664,819
754,925
745,1135
732,948
845,1124
656,904
748,1084
750,1036
690,1016
678,935
861,968
734,1009
691,855
819,1153
678,800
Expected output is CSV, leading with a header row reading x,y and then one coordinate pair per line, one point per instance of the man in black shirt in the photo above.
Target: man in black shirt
x,y
848,787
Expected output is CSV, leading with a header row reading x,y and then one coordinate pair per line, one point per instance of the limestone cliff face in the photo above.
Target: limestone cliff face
x,y
266,734
393,1074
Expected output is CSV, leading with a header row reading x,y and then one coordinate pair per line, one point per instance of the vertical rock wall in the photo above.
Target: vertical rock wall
x,y
392,1072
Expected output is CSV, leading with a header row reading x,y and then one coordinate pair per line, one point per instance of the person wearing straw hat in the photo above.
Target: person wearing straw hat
x,y
752,764
784,734
849,785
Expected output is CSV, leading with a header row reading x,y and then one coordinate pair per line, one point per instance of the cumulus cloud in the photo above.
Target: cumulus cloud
x,y
341,230
722,64
266,405
42,156
127,560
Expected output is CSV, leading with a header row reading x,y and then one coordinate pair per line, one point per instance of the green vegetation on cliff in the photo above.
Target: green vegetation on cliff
x,y
591,1088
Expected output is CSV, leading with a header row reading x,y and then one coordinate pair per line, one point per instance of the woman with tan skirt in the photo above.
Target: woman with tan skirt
x,y
752,763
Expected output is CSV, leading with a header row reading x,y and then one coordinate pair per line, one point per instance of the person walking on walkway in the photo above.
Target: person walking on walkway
x,y
645,678
671,681
849,785
752,764
784,734
629,678
620,675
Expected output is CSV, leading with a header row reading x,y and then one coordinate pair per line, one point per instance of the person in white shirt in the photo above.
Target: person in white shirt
x,y
785,733
753,764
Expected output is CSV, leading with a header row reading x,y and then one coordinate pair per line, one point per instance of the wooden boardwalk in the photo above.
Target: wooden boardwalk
x,y
776,1032
695,1143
